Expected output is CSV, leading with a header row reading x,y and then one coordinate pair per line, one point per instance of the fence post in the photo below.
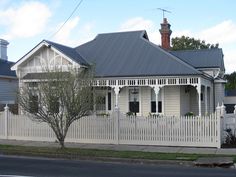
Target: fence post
x,y
6,112
219,130
117,125
234,109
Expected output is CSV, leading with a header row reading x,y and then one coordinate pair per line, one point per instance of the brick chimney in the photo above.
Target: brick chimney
x,y
3,49
165,34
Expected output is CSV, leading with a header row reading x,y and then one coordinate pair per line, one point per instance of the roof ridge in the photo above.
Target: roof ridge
x,y
118,32
173,56
57,43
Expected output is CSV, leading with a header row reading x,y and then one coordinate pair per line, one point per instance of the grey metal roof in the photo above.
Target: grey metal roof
x,y
131,54
5,68
68,51
204,58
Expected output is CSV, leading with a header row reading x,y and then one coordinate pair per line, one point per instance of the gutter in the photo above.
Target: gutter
x,y
8,77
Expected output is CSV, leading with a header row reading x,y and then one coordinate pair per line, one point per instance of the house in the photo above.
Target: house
x,y
230,100
8,78
136,75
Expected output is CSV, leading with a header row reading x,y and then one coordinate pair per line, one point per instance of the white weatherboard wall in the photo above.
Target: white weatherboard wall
x,y
8,90
194,100
146,100
172,100
184,100
124,100
219,93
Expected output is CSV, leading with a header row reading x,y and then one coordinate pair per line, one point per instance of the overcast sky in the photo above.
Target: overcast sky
x,y
24,23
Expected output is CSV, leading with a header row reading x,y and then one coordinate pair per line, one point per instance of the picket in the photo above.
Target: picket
x,y
121,129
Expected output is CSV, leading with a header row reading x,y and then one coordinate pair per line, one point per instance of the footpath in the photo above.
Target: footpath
x,y
160,149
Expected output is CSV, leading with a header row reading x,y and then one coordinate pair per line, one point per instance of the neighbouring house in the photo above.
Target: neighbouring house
x,y
8,79
136,75
230,100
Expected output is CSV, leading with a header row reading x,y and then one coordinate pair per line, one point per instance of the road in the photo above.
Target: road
x,y
42,167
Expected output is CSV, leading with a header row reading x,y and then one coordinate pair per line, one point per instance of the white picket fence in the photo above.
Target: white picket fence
x,y
117,128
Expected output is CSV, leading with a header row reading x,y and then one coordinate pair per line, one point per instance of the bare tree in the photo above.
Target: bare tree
x,y
58,98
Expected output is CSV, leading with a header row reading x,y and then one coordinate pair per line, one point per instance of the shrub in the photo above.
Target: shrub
x,y
103,114
230,137
153,115
130,113
189,114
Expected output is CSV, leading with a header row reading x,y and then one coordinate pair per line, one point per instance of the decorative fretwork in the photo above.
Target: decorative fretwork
x,y
147,82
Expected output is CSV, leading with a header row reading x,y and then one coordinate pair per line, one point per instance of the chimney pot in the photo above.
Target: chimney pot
x,y
165,20
3,49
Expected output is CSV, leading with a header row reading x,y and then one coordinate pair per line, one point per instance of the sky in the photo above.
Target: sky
x,y
25,23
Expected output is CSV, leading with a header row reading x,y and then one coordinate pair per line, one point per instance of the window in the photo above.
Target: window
x,y
103,99
33,84
134,100
101,103
153,107
109,100
33,104
100,99
153,101
54,105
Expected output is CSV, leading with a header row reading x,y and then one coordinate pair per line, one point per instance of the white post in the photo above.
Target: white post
x,y
199,99
6,111
223,112
206,100
117,89
156,90
219,127
234,109
117,125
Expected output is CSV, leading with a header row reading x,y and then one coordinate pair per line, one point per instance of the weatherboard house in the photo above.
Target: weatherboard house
x,y
136,75
8,78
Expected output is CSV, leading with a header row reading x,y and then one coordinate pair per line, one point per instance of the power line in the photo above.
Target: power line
x,y
66,19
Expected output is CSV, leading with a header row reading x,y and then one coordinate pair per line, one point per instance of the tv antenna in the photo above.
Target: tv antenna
x,y
163,11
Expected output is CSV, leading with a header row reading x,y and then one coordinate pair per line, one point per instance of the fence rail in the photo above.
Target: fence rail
x,y
117,128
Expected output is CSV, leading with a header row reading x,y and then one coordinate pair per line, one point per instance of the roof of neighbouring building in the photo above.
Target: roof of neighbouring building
x,y
204,58
131,54
5,69
231,92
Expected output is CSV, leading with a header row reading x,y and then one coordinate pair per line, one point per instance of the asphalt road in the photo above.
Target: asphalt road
x,y
42,167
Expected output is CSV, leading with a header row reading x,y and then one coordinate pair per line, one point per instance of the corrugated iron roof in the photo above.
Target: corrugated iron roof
x,y
131,54
5,68
204,58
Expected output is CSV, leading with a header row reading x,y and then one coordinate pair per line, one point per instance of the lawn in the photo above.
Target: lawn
x,y
77,153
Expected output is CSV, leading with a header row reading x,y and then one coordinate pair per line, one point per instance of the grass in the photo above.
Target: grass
x,y
77,153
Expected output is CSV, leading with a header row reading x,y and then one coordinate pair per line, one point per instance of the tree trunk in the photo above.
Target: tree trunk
x,y
62,142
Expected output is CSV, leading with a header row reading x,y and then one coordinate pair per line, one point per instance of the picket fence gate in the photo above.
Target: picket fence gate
x,y
204,131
